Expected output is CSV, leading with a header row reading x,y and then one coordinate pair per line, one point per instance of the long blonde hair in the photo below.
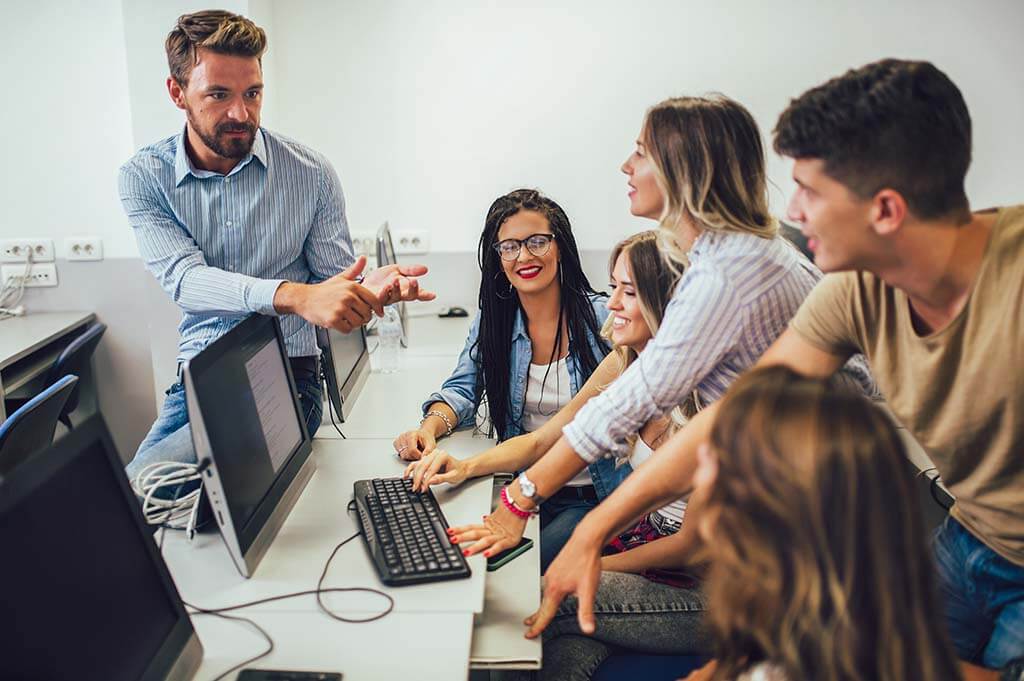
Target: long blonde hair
x,y
710,167
818,557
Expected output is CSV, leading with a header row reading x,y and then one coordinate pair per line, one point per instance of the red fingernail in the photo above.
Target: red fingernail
x,y
465,552
455,540
450,531
487,554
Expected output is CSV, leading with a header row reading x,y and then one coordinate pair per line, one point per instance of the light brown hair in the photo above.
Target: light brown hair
x,y
710,167
215,30
818,557
654,281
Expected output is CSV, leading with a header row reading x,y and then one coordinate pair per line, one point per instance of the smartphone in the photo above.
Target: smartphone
x,y
285,675
508,555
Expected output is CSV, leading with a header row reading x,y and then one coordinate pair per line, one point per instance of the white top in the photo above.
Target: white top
x,y
548,389
666,519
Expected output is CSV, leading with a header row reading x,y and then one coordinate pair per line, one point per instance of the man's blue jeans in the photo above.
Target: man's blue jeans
x,y
984,597
170,438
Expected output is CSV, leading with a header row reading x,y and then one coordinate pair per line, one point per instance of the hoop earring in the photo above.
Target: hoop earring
x,y
497,292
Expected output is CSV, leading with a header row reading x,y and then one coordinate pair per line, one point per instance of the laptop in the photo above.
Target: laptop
x,y
247,422
86,593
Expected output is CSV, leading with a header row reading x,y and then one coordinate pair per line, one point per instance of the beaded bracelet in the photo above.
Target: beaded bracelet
x,y
447,422
512,506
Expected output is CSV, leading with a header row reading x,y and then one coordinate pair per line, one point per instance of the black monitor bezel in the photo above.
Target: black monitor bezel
x,y
30,475
212,354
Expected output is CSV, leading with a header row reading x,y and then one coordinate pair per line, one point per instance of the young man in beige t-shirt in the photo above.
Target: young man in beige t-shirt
x,y
932,295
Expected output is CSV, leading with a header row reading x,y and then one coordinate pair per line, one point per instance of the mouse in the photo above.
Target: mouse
x,y
453,311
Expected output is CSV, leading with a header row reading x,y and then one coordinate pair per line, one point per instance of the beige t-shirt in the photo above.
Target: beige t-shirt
x,y
959,391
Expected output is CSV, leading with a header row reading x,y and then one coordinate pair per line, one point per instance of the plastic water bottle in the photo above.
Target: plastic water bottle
x,y
390,335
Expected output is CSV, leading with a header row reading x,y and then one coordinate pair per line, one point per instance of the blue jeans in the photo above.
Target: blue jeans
x,y
170,438
984,597
558,519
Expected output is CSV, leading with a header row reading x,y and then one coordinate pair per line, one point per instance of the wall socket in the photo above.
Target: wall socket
x,y
44,274
17,250
408,242
83,248
364,243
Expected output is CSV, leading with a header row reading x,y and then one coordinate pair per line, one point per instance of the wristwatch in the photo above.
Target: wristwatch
x,y
529,490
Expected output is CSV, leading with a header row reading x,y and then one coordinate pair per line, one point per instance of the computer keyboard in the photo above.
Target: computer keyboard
x,y
405,533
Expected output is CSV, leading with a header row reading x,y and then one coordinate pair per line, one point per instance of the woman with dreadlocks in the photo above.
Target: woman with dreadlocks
x,y
534,343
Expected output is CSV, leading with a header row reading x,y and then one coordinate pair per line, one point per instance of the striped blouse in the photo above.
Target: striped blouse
x,y
220,245
735,298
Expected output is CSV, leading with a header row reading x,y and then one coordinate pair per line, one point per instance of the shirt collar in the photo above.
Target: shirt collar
x,y
519,326
183,164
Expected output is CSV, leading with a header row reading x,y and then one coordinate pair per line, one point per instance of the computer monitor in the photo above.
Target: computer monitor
x,y
246,420
345,364
86,592
386,256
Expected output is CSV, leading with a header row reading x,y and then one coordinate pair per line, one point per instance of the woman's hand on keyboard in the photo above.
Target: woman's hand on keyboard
x,y
500,530
414,444
434,468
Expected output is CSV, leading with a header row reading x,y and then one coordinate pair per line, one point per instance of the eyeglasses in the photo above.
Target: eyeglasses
x,y
537,244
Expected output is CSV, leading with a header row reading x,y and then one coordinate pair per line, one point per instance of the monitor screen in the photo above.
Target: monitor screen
x,y
345,363
385,247
386,256
250,417
86,595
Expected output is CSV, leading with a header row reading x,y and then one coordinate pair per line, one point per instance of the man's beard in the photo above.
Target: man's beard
x,y
226,147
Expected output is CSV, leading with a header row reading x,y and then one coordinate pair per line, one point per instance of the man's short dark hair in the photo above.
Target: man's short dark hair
x,y
213,29
892,124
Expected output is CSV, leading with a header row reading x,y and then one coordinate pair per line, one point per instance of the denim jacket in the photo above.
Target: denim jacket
x,y
459,390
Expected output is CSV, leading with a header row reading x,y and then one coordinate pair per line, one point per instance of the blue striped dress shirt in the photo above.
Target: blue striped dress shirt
x,y
220,245
735,298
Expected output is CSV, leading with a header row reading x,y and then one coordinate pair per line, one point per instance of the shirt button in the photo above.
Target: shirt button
x,y
227,180
229,223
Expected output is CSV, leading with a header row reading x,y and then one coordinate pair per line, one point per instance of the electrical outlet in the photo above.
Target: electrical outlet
x,y
408,242
17,250
83,248
44,274
364,243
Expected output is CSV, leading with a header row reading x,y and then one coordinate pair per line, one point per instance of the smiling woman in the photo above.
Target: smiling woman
x,y
535,342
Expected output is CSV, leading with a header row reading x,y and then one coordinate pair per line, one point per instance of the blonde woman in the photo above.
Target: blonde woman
x,y
699,170
810,578
642,283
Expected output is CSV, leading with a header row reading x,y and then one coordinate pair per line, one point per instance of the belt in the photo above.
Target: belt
x,y
302,367
576,493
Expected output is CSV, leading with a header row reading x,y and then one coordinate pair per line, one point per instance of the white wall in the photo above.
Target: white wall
x,y
64,122
429,109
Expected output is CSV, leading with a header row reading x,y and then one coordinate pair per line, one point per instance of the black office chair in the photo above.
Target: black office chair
x,y
30,429
73,360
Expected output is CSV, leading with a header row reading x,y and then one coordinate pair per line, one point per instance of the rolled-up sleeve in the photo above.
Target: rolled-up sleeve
x,y
173,257
702,324
459,391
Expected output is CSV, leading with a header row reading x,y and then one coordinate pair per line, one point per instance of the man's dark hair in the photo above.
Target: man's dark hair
x,y
213,29
893,123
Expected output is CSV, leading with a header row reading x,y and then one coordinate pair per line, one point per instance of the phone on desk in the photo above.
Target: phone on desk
x,y
285,675
508,555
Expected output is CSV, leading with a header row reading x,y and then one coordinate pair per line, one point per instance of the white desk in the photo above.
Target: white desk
x,y
438,630
433,336
29,345
400,646
389,404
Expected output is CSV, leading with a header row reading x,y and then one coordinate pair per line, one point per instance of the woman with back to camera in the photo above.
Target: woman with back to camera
x,y
534,343
810,579
699,170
